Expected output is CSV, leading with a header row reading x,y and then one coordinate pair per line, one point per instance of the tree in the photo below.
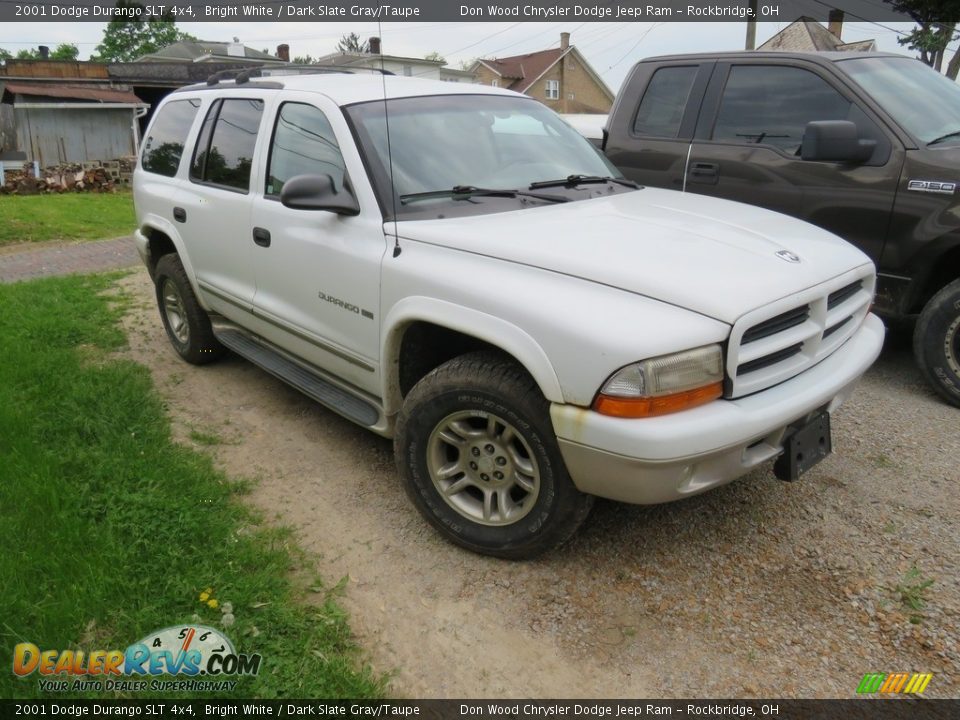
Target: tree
x,y
436,57
63,51
128,38
305,60
933,32
350,43
5,54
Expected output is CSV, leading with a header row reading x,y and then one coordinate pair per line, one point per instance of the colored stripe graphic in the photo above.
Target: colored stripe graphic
x,y
893,683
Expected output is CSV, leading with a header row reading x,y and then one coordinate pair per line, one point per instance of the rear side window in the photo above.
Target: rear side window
x,y
163,147
303,144
224,152
662,106
771,105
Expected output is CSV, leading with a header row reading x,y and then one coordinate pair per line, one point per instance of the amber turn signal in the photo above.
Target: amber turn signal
x,y
643,407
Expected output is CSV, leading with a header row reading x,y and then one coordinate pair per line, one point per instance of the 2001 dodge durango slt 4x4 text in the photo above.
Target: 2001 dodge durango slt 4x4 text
x,y
456,268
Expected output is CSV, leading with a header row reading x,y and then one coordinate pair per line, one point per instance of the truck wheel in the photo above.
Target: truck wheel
x,y
478,457
186,323
936,342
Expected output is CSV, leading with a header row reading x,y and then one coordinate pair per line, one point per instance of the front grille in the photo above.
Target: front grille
x,y
775,343
771,359
777,324
837,297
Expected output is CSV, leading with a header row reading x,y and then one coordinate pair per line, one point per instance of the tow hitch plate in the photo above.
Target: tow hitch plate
x,y
804,448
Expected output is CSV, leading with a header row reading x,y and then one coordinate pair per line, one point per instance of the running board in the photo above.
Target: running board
x,y
310,384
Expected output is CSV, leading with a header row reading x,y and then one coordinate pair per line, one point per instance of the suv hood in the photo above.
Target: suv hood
x,y
716,257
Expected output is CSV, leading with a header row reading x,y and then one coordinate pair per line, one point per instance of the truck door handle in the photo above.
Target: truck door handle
x,y
704,172
261,237
179,214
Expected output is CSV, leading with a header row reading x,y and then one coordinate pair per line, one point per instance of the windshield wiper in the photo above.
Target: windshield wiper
x,y
465,192
940,139
574,180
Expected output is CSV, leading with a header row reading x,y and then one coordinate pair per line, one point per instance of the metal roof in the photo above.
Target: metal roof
x,y
73,92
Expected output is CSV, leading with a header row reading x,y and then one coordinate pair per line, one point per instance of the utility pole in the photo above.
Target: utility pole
x,y
751,43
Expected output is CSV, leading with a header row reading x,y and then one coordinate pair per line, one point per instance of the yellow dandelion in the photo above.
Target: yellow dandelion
x,y
212,602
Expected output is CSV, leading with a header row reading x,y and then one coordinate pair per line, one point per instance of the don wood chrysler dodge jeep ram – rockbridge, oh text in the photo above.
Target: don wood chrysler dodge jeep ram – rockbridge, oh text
x,y
456,268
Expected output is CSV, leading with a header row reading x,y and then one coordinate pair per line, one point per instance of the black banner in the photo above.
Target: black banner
x,y
448,10
878,708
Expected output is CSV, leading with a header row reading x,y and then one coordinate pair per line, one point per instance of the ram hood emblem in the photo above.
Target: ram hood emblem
x,y
788,256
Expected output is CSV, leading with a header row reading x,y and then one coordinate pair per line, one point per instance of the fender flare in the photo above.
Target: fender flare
x,y
489,328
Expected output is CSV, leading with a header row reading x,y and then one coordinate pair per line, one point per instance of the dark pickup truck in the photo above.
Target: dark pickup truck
x,y
866,145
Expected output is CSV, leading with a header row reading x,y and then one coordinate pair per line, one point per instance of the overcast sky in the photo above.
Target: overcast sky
x,y
611,48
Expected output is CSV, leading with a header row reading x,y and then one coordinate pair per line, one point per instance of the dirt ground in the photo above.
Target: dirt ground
x,y
760,588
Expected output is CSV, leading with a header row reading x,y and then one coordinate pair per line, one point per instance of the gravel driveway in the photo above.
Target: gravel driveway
x,y
760,588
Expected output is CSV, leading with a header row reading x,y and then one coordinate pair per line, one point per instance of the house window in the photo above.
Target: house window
x,y
494,83
553,89
408,70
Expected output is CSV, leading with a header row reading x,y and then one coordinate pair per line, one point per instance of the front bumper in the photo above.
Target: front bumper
x,y
656,460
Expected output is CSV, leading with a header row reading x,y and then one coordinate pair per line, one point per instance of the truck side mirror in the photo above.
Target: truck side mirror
x,y
318,192
836,140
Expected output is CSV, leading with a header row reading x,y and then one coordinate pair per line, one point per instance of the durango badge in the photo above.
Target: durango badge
x,y
788,256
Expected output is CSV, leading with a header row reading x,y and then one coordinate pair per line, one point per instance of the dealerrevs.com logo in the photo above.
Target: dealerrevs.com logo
x,y
901,683
202,655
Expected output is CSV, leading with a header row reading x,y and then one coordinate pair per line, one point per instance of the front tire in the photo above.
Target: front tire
x,y
936,342
187,324
477,455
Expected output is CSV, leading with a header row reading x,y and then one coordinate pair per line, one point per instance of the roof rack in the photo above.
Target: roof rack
x,y
242,76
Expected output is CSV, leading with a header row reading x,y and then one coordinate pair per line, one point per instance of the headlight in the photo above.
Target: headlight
x,y
664,384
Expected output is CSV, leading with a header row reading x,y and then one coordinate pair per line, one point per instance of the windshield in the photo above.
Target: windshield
x,y
924,102
483,141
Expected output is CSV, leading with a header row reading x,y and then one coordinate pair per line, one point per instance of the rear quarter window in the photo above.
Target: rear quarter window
x,y
662,106
163,147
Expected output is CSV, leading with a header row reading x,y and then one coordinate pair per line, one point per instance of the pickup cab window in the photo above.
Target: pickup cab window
x,y
303,144
771,105
662,106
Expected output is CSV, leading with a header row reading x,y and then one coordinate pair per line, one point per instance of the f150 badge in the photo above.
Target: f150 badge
x,y
932,186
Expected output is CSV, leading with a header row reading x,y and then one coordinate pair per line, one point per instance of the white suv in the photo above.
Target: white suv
x,y
454,267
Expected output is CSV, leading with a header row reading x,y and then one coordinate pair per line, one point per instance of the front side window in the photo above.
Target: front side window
x,y
553,89
163,147
771,105
664,102
303,144
224,152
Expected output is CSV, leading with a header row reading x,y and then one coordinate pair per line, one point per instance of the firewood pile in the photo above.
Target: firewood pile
x,y
68,177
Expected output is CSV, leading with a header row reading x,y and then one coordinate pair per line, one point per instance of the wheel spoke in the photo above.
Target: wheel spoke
x,y
492,427
522,463
450,436
488,505
458,487
505,503
449,470
525,482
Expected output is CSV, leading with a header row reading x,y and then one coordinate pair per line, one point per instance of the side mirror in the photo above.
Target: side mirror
x,y
836,140
318,192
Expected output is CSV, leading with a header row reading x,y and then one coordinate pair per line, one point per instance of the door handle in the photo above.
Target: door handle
x,y
261,237
704,172
179,214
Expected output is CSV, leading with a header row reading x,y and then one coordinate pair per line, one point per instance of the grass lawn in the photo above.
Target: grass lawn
x,y
111,531
71,216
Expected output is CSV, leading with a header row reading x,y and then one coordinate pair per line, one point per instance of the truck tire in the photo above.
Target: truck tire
x,y
476,452
936,342
187,324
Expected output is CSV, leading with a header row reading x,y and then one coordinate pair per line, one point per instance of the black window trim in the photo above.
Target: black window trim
x,y
218,105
